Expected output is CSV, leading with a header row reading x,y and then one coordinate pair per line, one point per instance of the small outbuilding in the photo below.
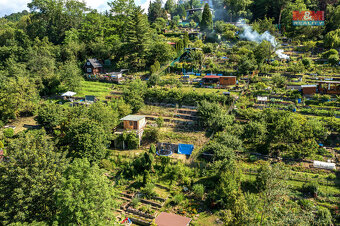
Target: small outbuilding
x,y
308,89
227,80
134,122
93,66
171,219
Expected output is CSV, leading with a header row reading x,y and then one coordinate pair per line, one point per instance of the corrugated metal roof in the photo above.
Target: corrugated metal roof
x,y
306,86
95,63
133,118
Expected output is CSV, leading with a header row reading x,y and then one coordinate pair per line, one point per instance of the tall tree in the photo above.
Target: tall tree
x,y
52,18
29,179
271,186
169,6
155,11
206,22
85,137
137,42
86,196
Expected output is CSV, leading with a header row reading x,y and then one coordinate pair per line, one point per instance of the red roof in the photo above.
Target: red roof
x,y
211,76
171,43
171,219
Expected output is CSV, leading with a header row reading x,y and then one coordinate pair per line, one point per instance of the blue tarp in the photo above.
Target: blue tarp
x,y
185,149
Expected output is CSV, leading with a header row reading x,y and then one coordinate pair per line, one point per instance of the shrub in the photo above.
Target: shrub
x,y
152,149
306,204
151,135
177,199
198,190
148,190
310,188
8,132
160,121
134,202
107,164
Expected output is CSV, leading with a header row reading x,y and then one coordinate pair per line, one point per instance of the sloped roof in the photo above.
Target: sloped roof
x,y
171,219
133,118
211,76
95,63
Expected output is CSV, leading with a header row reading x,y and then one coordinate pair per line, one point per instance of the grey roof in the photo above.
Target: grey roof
x,y
133,117
95,63
306,86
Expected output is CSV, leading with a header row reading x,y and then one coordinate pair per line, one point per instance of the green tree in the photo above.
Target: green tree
x,y
134,94
28,181
272,187
137,39
85,138
332,39
156,11
70,76
170,6
263,51
206,22
17,95
50,115
213,116
86,196
52,18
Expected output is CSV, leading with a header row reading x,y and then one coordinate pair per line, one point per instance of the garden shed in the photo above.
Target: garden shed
x,y
324,165
227,80
93,66
308,89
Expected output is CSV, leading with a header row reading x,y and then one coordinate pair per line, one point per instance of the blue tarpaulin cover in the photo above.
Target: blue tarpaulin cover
x,y
185,149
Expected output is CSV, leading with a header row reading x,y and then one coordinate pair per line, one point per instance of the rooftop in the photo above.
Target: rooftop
x,y
95,63
306,86
211,76
171,219
133,118
330,82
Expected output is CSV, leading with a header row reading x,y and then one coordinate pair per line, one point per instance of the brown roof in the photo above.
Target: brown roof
x,y
171,219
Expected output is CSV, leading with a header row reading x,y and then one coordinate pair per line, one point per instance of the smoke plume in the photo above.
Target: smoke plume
x,y
252,35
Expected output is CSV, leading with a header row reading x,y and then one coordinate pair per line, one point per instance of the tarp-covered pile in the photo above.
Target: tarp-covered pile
x,y
185,149
324,165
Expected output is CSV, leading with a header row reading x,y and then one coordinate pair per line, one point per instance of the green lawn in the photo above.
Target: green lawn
x,y
98,89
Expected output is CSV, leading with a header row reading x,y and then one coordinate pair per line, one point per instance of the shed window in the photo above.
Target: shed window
x,y
89,69
88,63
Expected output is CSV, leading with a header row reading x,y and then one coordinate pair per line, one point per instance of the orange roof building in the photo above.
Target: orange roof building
x,y
171,219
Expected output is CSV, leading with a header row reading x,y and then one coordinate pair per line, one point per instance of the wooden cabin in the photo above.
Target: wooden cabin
x,y
308,89
227,80
93,66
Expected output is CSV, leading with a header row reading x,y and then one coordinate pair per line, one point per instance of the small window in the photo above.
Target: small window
x,y
89,69
131,123
88,63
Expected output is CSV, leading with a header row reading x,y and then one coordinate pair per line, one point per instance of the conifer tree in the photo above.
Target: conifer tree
x,y
206,22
